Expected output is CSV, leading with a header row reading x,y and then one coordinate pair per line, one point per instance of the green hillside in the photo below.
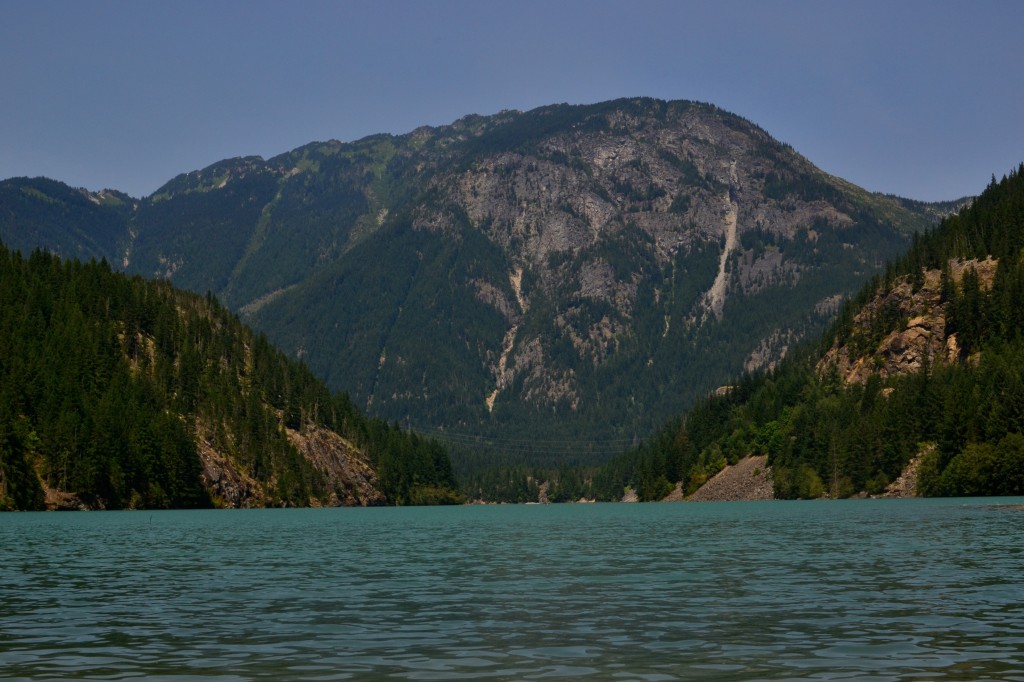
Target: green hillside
x,y
39,213
119,392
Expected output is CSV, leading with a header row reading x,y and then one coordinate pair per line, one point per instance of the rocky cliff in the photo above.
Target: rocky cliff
x,y
903,328
350,478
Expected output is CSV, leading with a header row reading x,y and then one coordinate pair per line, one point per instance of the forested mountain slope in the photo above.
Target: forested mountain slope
x,y
572,272
118,392
926,362
38,213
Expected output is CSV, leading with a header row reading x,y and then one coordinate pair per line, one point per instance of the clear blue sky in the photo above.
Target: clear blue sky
x,y
922,99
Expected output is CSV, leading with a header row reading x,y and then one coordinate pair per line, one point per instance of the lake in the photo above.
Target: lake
x,y
880,589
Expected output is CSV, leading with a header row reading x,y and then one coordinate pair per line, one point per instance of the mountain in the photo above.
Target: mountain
x,y
924,367
38,213
523,281
116,392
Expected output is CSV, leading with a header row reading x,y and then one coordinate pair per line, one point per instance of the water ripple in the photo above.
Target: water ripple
x,y
889,590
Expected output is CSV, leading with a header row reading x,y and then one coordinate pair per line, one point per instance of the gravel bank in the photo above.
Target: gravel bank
x,y
748,479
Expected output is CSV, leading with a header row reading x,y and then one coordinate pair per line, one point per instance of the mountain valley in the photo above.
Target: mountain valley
x,y
571,275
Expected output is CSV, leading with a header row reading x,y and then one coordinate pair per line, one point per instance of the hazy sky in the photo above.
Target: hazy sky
x,y
922,99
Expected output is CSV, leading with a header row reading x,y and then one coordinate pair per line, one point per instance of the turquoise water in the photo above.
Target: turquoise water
x,y
879,589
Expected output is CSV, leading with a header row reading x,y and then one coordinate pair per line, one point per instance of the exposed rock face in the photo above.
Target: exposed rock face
x,y
348,471
582,186
228,485
770,350
352,480
748,479
62,500
918,340
921,339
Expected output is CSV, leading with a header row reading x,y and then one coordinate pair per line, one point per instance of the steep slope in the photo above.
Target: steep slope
x,y
904,328
118,392
925,366
571,272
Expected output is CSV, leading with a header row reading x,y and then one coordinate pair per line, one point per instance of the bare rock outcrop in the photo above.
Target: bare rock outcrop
x,y
350,478
349,474
229,486
919,338
62,500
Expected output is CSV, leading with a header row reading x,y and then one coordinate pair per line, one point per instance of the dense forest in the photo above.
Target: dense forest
x,y
824,436
109,382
